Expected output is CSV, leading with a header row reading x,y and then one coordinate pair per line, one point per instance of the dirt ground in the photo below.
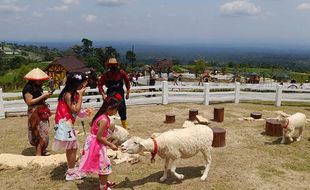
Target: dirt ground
x,y
250,159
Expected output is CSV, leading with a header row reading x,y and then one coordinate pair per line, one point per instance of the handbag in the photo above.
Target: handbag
x,y
44,112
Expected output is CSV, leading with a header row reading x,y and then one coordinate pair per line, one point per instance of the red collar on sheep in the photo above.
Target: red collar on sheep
x,y
285,126
154,151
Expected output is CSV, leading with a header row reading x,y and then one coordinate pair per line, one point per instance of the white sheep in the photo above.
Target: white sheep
x,y
289,124
117,134
175,144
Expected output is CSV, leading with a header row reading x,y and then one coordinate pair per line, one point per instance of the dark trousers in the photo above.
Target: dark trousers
x,y
152,83
122,109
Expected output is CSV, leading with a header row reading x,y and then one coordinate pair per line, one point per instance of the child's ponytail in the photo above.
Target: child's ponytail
x,y
111,102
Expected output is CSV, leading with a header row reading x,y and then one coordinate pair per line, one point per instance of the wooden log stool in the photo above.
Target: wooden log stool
x,y
170,118
273,127
219,135
218,114
256,115
192,114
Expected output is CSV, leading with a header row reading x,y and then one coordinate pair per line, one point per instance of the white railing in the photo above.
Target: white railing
x,y
166,93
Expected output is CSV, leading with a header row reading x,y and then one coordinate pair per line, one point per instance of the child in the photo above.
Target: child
x,y
94,156
69,105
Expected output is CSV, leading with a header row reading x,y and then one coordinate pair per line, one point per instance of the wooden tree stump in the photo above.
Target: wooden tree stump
x,y
192,114
219,114
170,118
219,135
256,115
273,127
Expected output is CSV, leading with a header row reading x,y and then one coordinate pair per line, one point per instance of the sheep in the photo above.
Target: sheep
x,y
117,134
289,124
174,144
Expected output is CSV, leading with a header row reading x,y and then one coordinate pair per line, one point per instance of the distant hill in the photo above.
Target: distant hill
x,y
295,58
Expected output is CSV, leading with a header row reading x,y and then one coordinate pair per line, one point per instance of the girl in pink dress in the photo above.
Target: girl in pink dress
x,y
69,105
94,155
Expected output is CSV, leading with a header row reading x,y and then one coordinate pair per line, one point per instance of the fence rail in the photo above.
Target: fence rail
x,y
165,94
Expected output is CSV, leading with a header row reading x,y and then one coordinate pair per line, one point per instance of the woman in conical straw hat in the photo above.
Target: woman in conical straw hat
x,y
38,112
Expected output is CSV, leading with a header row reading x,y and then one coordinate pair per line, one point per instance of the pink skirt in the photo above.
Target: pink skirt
x,y
94,157
64,145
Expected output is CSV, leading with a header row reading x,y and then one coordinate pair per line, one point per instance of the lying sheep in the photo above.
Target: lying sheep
x,y
175,144
289,124
117,134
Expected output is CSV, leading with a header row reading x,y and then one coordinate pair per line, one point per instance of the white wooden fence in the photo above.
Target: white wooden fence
x,y
165,93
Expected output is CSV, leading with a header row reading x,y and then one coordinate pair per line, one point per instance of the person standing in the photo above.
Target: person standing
x,y
38,111
152,79
68,107
94,158
114,79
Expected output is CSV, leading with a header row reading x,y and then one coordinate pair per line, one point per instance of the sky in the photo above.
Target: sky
x,y
157,21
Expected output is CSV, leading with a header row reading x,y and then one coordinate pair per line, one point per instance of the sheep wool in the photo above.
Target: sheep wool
x,y
175,144
290,124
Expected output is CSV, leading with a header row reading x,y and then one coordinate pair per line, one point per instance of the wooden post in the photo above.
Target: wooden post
x,y
273,127
170,118
165,93
192,114
206,96
2,114
237,92
256,115
219,135
279,95
218,114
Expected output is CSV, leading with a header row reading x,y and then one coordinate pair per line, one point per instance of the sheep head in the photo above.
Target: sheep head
x,y
132,145
282,119
112,122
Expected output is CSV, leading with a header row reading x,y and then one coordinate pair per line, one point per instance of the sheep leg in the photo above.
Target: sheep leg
x,y
164,177
290,134
207,156
283,136
300,134
173,168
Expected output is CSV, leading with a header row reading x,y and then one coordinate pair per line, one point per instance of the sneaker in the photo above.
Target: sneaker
x,y
111,184
73,175
105,188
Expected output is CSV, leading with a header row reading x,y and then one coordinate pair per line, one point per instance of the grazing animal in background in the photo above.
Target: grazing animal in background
x,y
175,144
290,124
118,134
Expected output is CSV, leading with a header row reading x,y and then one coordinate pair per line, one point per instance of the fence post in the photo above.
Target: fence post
x,y
278,95
237,92
206,95
2,114
165,93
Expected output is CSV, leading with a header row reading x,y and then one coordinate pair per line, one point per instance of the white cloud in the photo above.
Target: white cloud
x,y
11,8
113,3
37,14
240,8
61,8
303,7
90,18
71,2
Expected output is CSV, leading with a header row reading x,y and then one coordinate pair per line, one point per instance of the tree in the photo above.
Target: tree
x,y
95,63
131,56
176,61
77,50
200,66
87,47
111,52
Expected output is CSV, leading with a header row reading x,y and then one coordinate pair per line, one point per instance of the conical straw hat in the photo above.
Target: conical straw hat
x,y
112,61
36,74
